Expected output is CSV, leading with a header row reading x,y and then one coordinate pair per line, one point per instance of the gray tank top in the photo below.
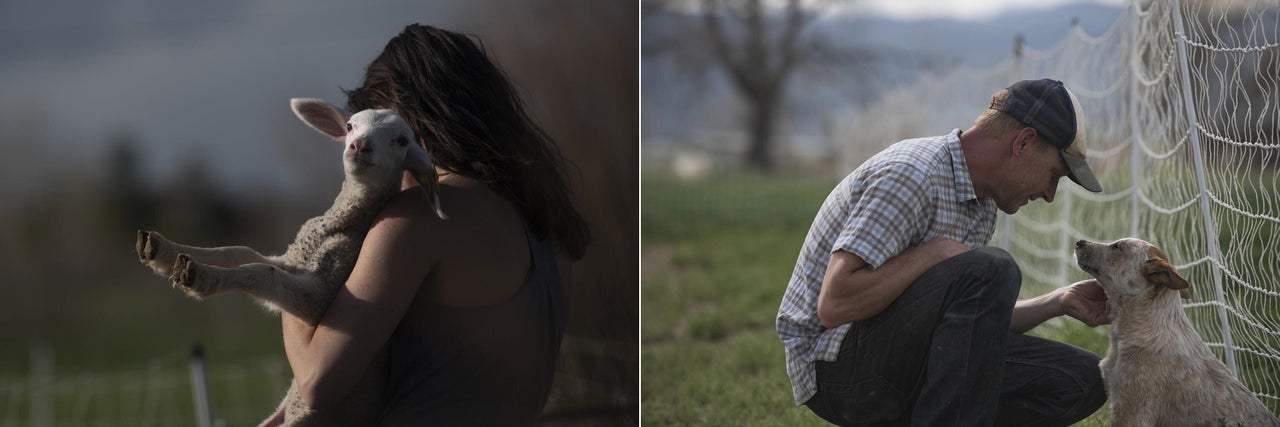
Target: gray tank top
x,y
488,365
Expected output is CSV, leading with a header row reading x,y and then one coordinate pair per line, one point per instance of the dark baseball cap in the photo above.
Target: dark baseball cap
x,y
1054,112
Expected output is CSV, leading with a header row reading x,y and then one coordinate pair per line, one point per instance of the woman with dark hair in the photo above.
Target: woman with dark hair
x,y
470,307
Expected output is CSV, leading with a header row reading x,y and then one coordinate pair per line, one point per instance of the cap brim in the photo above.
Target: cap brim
x,y
1078,170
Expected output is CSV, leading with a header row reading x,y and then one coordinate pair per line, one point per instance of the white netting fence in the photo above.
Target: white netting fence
x,y
162,391
1183,107
166,390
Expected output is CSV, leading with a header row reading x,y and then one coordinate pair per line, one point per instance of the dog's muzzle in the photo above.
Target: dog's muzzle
x,y
1084,257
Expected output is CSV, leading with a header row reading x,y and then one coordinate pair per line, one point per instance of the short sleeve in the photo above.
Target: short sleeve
x,y
890,214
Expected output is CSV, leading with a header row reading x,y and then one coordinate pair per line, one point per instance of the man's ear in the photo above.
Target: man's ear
x,y
1159,272
1023,140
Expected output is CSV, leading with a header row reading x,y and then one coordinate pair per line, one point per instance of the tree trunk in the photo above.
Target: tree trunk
x,y
763,117
759,154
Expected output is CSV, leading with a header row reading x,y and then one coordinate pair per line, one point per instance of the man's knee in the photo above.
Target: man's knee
x,y
997,260
1001,267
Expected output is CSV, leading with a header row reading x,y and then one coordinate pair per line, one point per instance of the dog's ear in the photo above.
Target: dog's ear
x,y
1159,272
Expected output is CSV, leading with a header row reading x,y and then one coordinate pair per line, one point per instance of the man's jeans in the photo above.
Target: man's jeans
x,y
942,355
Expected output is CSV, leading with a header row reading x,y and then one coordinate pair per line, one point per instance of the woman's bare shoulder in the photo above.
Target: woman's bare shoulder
x,y
410,203
407,222
487,252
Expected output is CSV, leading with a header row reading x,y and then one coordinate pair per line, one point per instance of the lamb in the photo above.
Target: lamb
x,y
307,277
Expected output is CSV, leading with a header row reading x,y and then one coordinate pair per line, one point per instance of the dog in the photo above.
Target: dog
x,y
1157,370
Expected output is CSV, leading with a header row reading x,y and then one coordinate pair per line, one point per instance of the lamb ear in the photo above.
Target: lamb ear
x,y
321,116
417,162
1160,273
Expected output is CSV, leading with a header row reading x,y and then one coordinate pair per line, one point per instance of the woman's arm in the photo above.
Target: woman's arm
x,y
329,359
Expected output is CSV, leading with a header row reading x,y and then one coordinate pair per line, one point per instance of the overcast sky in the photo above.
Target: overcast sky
x,y
191,81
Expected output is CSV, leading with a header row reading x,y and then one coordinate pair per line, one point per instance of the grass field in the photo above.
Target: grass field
x,y
130,367
716,257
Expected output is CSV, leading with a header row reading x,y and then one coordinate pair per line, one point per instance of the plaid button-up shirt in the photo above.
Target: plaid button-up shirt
x,y
908,194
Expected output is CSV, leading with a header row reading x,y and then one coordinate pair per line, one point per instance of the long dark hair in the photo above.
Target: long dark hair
x,y
472,122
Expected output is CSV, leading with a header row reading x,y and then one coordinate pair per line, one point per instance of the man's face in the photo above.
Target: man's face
x,y
1033,173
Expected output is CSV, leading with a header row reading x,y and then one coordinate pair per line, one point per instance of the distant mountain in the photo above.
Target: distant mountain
x,y
976,44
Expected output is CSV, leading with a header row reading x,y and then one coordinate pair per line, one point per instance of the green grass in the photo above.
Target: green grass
x,y
241,393
120,354
716,257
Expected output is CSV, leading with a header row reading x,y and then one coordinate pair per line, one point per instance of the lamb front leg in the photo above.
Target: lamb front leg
x,y
302,294
158,253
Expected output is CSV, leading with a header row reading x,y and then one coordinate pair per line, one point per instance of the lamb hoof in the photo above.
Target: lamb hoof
x,y
184,276
145,249
152,252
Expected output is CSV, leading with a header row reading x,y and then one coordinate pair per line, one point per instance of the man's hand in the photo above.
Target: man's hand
x,y
1085,301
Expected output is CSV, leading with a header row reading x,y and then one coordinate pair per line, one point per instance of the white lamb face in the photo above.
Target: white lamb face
x,y
376,143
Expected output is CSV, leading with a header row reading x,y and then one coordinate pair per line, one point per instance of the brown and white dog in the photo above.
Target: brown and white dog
x,y
1157,371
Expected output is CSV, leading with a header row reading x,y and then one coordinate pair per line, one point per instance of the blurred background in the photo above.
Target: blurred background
x,y
766,87
753,110
173,115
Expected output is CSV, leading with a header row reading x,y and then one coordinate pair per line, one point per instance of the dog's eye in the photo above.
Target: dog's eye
x,y
348,127
1115,246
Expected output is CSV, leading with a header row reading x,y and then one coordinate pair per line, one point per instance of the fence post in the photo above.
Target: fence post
x,y
1064,237
200,388
40,386
1135,128
1210,230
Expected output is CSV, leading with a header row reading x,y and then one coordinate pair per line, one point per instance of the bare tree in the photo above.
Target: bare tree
x,y
759,45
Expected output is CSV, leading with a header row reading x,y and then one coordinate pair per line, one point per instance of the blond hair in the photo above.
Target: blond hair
x,y
996,122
